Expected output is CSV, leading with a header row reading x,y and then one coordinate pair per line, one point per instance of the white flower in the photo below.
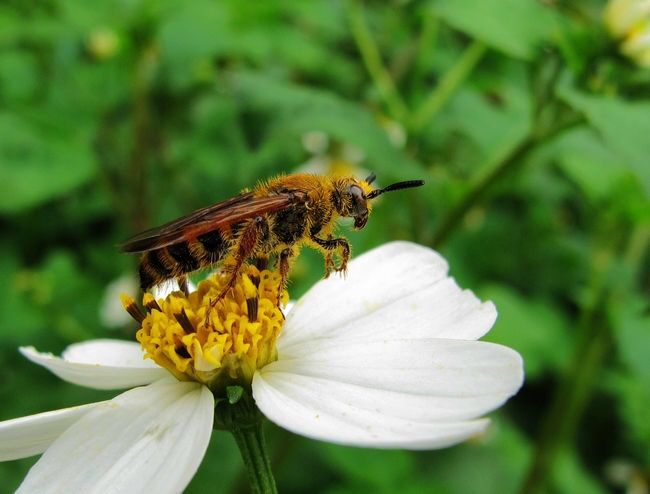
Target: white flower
x,y
386,358
111,312
629,20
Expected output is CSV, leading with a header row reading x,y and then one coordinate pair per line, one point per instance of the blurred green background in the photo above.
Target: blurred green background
x,y
530,127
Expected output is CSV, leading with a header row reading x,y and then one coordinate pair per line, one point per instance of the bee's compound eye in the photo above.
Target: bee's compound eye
x,y
358,206
356,193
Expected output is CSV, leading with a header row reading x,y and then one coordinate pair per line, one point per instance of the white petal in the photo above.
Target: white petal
x,y
31,435
99,364
148,439
399,287
115,353
421,366
308,413
287,308
111,312
417,393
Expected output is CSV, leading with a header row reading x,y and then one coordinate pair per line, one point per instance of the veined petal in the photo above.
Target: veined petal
x,y
305,411
400,286
441,310
115,366
417,393
420,366
148,439
31,435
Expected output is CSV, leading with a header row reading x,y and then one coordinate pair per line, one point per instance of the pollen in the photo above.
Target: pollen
x,y
217,345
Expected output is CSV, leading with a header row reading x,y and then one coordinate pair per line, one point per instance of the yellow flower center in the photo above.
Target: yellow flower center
x,y
237,337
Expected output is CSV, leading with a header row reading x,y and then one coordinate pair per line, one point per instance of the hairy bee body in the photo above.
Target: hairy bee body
x,y
176,260
277,217
278,230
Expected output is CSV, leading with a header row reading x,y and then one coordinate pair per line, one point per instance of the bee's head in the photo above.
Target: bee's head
x,y
352,196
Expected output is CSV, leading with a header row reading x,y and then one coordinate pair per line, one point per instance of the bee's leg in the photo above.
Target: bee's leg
x,y
283,263
329,245
182,284
329,263
246,246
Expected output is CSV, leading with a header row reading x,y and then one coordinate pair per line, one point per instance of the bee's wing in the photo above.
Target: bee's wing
x,y
216,216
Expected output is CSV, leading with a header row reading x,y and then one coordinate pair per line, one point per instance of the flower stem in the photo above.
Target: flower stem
x,y
448,85
239,415
372,60
593,343
493,171
252,446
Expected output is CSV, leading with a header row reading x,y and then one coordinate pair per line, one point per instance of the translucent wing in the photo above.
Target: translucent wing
x,y
218,216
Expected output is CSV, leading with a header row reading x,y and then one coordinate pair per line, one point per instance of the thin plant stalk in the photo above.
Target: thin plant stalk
x,y
448,85
372,60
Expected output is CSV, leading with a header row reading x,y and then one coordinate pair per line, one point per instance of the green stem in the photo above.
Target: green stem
x,y
426,48
372,60
593,341
252,447
244,420
569,401
493,171
452,79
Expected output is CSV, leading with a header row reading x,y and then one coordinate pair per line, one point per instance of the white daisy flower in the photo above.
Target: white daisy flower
x,y
629,21
386,358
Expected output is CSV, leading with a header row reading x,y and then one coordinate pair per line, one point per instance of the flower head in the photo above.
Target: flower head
x,y
386,358
629,21
215,345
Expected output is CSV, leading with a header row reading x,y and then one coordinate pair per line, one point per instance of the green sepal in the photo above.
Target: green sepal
x,y
234,394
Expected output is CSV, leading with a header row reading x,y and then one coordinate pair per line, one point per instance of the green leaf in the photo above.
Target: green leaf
x,y
38,163
377,468
515,27
21,322
296,110
569,475
632,333
191,32
534,328
633,401
624,126
18,75
492,126
589,163
494,462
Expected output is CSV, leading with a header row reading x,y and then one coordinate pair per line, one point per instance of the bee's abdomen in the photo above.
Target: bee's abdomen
x,y
182,255
157,266
181,258
213,244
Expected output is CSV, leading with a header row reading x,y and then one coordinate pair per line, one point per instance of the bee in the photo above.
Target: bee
x,y
276,218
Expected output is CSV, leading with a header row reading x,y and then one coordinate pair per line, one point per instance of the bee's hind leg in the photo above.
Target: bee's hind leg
x,y
283,264
245,248
182,284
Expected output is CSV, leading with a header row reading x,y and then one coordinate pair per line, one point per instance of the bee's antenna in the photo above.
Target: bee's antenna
x,y
399,185
371,178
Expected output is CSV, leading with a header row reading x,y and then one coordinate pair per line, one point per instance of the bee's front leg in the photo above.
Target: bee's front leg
x,y
329,245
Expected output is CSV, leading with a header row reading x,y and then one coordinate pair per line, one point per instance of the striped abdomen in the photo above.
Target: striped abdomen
x,y
181,258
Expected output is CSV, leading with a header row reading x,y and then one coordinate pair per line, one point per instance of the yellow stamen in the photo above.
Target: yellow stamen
x,y
239,338
132,308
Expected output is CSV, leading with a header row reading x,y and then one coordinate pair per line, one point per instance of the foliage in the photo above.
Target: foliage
x,y
533,135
